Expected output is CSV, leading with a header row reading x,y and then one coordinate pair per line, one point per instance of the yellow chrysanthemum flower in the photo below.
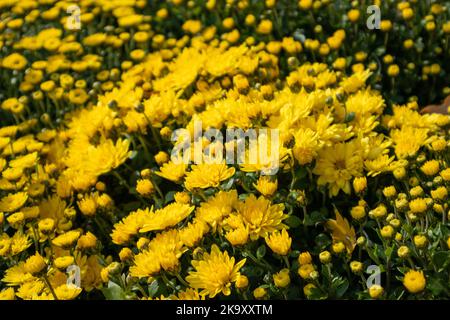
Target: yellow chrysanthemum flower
x,y
414,281
214,273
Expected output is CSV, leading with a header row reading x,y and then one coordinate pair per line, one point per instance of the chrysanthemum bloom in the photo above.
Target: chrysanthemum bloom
x,y
358,212
14,61
337,165
282,279
7,294
172,171
279,242
87,206
418,205
403,252
414,281
259,293
65,240
430,168
325,257
259,216
445,174
168,216
238,236
420,241
304,258
415,192
356,267
125,254
35,264
63,262
67,292
266,186
375,291
161,157
87,241
182,197
379,212
305,271
215,273
387,232
161,253
359,184
439,193
338,247
389,192
308,289
13,202
242,282
144,187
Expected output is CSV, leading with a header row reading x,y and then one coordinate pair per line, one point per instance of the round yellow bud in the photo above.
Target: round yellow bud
x,y
403,252
338,247
307,290
389,192
420,241
376,291
63,262
430,168
393,70
35,264
145,187
356,267
305,271
325,257
418,205
353,15
407,13
414,281
46,225
125,254
305,4
242,282
260,293
399,173
385,25
358,212
387,232
282,279
304,258
161,158
360,184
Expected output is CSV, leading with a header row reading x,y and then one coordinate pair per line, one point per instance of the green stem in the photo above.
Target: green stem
x,y
47,283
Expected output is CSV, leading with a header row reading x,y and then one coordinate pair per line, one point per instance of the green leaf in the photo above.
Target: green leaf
x,y
435,286
113,292
323,241
441,259
349,117
261,252
314,218
227,186
153,288
342,288
301,173
169,197
293,221
388,252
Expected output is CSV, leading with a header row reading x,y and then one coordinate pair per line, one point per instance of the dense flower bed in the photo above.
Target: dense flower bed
x,y
93,205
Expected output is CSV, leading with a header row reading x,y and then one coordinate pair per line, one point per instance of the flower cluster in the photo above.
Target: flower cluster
x,y
93,204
